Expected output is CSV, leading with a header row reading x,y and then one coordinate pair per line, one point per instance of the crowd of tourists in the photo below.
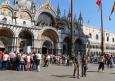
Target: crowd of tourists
x,y
31,61
34,61
20,61
109,59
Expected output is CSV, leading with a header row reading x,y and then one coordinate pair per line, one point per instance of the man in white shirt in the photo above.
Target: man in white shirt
x,y
38,61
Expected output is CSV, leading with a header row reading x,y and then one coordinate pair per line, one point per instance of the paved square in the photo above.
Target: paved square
x,y
58,73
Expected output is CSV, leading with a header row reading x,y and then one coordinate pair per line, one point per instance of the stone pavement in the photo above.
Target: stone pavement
x,y
58,73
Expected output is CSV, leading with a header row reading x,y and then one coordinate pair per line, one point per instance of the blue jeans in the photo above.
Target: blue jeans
x,y
0,63
21,66
4,65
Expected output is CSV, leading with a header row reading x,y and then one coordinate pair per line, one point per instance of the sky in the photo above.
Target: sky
x,y
89,10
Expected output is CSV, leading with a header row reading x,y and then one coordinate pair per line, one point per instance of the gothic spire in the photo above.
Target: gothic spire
x,y
69,16
64,12
14,2
16,7
58,10
80,16
80,19
69,13
33,6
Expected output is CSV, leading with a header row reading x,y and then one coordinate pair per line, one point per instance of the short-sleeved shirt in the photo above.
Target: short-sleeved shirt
x,y
38,56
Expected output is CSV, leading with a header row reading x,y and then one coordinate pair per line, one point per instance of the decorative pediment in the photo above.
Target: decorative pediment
x,y
5,11
23,15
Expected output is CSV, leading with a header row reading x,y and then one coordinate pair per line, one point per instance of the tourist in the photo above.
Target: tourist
x,y
101,63
84,66
6,58
1,57
28,62
76,62
21,61
46,60
38,61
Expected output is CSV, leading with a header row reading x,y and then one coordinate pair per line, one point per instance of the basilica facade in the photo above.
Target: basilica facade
x,y
31,28
23,25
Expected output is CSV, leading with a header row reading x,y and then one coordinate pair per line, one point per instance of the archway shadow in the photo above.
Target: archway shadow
x,y
63,76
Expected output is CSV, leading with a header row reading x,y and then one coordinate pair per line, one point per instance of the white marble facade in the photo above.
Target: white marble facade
x,y
95,40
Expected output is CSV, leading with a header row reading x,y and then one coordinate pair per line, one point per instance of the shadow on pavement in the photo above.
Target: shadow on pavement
x,y
63,76
91,71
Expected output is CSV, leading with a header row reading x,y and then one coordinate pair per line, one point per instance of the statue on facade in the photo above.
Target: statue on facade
x,y
5,1
47,1
24,4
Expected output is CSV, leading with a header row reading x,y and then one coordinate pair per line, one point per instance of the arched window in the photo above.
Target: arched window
x,y
93,46
90,46
97,37
90,35
96,46
107,38
113,40
45,19
24,22
4,20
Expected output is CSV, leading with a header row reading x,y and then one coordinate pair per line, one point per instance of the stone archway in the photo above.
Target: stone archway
x,y
26,40
47,47
79,46
6,38
50,41
66,45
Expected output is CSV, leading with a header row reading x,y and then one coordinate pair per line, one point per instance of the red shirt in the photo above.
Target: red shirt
x,y
1,54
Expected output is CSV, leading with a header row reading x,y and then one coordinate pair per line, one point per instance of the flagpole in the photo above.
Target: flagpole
x,y
102,31
72,41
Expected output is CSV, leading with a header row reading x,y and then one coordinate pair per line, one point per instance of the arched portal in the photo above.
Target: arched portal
x,y
45,19
26,40
66,45
47,47
6,38
49,41
79,46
